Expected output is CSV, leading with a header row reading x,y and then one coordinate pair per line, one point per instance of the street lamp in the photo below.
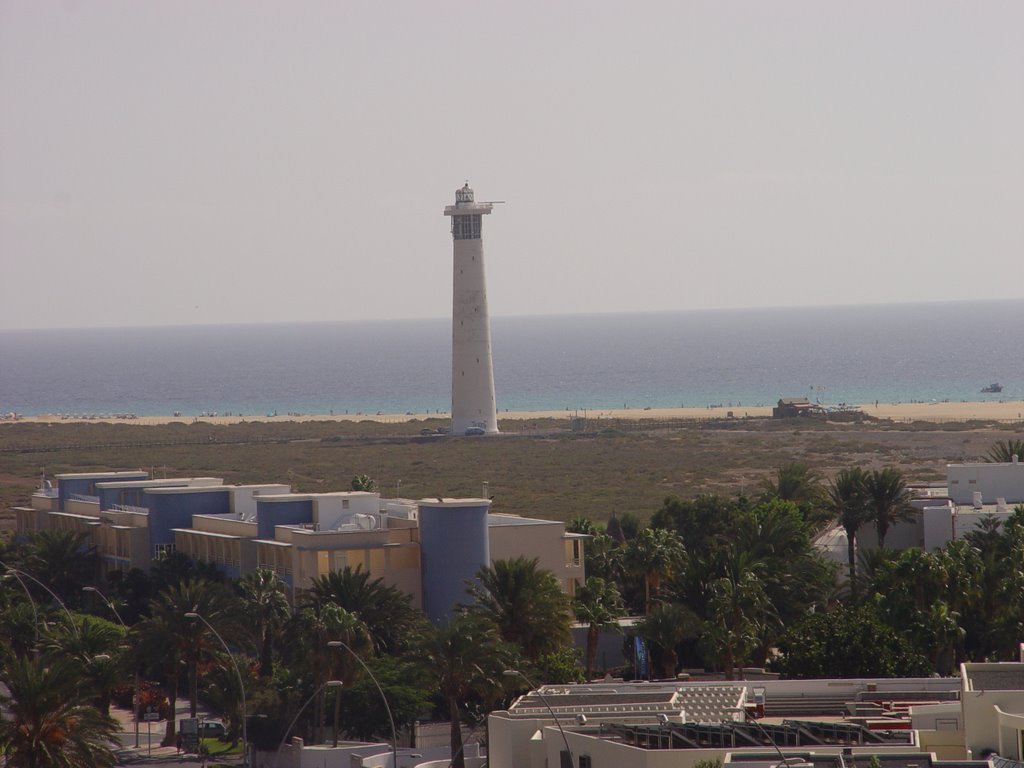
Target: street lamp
x,y
784,762
327,684
241,685
17,573
135,687
517,673
391,719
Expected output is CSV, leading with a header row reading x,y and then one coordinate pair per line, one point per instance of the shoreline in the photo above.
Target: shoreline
x,y
1002,411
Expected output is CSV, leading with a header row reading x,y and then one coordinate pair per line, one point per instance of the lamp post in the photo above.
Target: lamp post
x,y
517,673
325,684
784,762
135,684
18,573
391,719
241,685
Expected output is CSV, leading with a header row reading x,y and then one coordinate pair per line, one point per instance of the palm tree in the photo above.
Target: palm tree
x,y
942,631
599,605
169,636
603,557
737,611
581,524
1003,451
794,482
466,659
266,606
665,627
49,721
888,500
847,501
963,567
63,561
221,691
385,610
525,602
97,646
654,554
363,483
315,624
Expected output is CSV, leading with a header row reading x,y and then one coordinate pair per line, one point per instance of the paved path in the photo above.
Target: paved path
x,y
151,734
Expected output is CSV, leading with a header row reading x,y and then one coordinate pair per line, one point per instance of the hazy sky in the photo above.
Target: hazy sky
x,y
173,162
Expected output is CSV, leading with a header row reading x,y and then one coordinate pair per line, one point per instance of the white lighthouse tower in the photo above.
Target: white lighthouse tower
x,y
472,372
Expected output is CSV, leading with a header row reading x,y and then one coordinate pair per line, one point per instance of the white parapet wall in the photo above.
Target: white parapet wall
x,y
992,481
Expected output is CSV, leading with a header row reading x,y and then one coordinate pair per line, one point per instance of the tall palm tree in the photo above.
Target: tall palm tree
x,y
737,610
525,602
386,611
665,627
599,605
49,720
888,500
266,606
172,638
654,554
847,500
964,570
466,659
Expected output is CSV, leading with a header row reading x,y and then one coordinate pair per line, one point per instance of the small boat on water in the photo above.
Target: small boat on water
x,y
993,387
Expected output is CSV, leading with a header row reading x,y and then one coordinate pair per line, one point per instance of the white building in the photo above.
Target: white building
x,y
473,403
680,723
943,512
992,481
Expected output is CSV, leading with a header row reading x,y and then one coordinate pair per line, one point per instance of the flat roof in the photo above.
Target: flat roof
x,y
995,677
313,496
205,488
986,464
165,482
499,518
99,475
191,489
209,534
441,502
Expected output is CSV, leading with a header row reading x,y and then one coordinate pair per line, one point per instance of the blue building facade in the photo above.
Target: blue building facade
x,y
174,509
84,485
454,546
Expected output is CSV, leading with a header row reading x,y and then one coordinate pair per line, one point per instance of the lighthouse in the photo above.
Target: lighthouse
x,y
473,404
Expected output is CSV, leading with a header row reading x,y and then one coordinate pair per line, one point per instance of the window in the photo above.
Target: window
x,y
577,553
584,761
466,227
163,550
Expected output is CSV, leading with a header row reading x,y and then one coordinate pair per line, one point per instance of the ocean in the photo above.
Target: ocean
x,y
892,353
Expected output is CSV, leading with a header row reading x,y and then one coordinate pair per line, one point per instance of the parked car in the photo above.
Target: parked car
x,y
209,729
475,431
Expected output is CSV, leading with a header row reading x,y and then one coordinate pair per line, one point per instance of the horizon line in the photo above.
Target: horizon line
x,y
634,312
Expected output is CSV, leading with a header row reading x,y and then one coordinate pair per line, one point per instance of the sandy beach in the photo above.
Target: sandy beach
x,y
1003,411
